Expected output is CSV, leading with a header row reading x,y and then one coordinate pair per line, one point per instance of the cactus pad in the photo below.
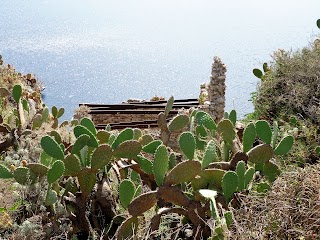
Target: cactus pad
x,y
80,130
51,147
284,146
204,119
152,146
210,154
145,164
51,197
229,184
126,192
183,172
37,122
72,165
142,203
187,144
5,172
241,170
24,176
127,149
87,180
260,154
160,164
264,131
271,171
101,156
17,92
226,130
178,123
169,106
249,136
124,135
87,122
127,228
233,117
103,136
56,171
38,169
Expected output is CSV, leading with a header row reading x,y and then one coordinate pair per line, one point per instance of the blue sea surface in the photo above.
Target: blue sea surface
x,y
106,51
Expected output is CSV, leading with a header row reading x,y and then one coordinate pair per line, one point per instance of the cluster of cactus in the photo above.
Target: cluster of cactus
x,y
215,164
214,158
258,73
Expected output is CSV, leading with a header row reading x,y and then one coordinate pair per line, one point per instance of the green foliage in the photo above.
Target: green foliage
x,y
80,130
56,171
264,131
258,73
124,135
226,129
233,117
5,172
126,192
169,106
145,164
229,184
284,145
151,147
187,144
72,165
101,156
210,154
51,147
160,164
17,92
51,197
178,123
127,149
183,172
249,136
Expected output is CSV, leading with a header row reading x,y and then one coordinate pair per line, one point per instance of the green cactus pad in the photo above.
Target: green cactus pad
x,y
137,133
229,184
145,164
74,122
45,159
318,23
103,136
17,92
213,176
124,135
56,136
263,131
80,143
70,186
260,154
178,123
258,73
87,179
201,132
5,172
24,176
233,117
127,229
142,203
249,136
284,146
38,169
152,146
72,165
138,191
172,160
60,112
56,171
160,164
187,144
126,192
55,123
112,138
226,130
52,148
87,122
183,172
228,216
25,105
204,119
271,171
210,154
36,122
101,156
274,134
51,197
248,177
54,111
169,106
45,114
64,124
145,139
162,121
80,130
241,170
127,149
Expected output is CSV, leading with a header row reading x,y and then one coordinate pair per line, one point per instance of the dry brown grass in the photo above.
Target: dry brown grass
x,y
290,211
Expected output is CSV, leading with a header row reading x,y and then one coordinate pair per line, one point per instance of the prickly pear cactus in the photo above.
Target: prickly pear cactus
x,y
210,154
187,144
263,130
126,192
183,172
229,184
52,148
160,164
178,123
55,172
249,136
284,146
